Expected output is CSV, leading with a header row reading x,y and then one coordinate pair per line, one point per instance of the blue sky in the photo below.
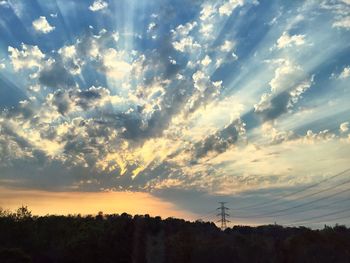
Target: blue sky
x,y
189,101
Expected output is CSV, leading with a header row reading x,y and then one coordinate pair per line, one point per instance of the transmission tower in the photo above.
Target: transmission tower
x,y
223,215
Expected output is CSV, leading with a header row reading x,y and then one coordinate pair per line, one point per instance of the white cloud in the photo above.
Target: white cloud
x,y
184,30
345,73
203,82
115,63
286,75
287,41
68,51
42,25
296,92
344,127
151,26
206,61
227,46
72,61
4,3
312,137
234,56
264,103
207,11
2,66
186,44
289,80
28,57
98,5
343,22
227,8
181,39
207,29
274,135
116,36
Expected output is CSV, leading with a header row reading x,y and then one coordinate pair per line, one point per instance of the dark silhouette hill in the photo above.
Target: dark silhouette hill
x,y
123,238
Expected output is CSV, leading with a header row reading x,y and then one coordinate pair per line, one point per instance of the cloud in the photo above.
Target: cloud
x,y
206,61
183,30
276,136
287,86
56,76
98,5
207,11
288,41
344,127
186,44
27,58
42,25
227,46
75,100
202,82
220,141
228,7
345,73
343,22
204,91
72,61
4,3
61,100
115,63
341,10
324,135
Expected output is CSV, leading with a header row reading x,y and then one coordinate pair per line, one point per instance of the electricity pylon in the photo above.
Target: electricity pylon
x,y
223,215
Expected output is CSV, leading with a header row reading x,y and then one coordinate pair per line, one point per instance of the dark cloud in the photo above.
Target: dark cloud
x,y
25,109
39,173
278,106
56,76
9,132
218,142
138,128
86,98
49,133
61,99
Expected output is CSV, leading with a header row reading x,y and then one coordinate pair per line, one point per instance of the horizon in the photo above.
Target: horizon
x,y
173,106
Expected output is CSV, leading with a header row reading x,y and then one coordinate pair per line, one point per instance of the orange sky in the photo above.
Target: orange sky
x,y
44,202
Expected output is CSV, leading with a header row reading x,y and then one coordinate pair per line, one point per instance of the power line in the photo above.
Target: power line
x,y
278,213
268,203
320,206
207,215
322,216
272,213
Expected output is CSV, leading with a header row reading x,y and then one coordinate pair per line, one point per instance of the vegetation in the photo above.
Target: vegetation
x,y
123,238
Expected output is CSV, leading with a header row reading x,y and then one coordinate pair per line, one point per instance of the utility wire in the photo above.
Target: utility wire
x,y
271,214
268,203
320,206
209,214
322,216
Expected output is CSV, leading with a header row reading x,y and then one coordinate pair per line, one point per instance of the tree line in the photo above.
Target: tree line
x,y
142,238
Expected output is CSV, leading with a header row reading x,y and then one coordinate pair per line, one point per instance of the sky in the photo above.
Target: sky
x,y
171,106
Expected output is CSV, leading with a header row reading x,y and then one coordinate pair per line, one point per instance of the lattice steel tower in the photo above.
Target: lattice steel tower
x,y
223,215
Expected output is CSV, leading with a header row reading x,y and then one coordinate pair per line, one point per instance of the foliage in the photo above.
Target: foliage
x,y
123,238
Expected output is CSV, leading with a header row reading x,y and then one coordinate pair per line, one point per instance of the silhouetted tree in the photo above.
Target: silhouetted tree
x,y
142,238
